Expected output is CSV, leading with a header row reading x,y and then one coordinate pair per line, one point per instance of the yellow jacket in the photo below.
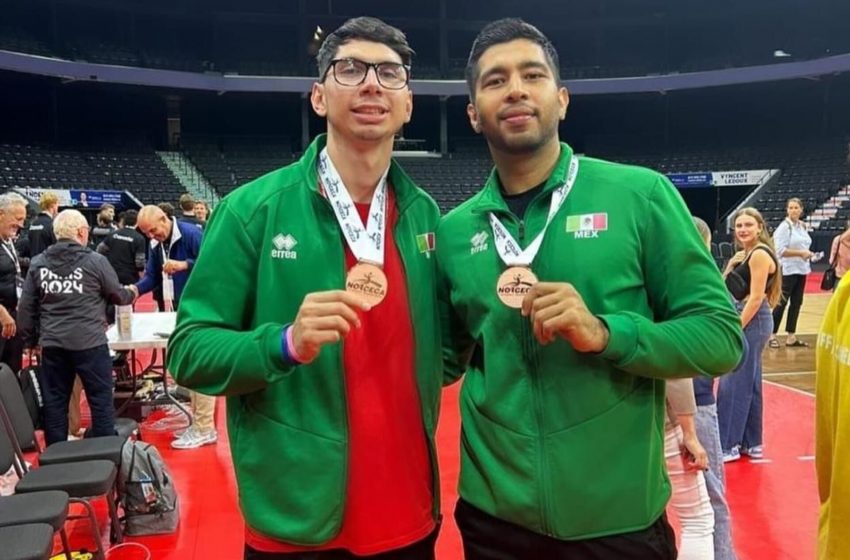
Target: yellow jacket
x,y
833,427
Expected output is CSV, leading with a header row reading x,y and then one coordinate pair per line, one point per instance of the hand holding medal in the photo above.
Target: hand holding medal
x,y
557,308
325,318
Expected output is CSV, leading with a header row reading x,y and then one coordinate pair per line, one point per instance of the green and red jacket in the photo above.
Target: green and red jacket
x,y
268,245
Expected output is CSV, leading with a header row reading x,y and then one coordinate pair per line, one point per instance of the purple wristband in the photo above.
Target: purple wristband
x,y
290,347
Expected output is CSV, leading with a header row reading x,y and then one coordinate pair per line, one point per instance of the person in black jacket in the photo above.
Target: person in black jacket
x,y
126,249
104,225
41,234
63,310
13,212
187,211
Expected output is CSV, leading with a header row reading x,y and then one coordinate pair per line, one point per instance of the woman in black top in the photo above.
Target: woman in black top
x,y
752,277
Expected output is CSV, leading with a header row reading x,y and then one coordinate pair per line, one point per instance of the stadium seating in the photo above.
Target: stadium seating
x,y
230,162
813,172
131,167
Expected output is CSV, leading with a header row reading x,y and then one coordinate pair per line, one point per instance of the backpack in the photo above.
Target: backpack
x,y
147,491
28,379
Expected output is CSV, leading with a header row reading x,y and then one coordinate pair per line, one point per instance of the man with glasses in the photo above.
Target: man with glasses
x,y
333,444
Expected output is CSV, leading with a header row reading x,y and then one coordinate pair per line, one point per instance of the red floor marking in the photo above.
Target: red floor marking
x,y
813,283
774,505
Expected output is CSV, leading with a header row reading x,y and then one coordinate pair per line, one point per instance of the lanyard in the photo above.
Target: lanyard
x,y
508,248
367,244
9,247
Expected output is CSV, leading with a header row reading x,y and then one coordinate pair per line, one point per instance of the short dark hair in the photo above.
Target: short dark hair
x,y
363,29
504,31
130,217
187,203
168,208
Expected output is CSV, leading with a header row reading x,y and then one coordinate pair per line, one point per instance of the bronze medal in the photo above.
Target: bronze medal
x,y
514,284
367,281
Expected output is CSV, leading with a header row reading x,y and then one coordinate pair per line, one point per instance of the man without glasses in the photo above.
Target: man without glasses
x,y
590,287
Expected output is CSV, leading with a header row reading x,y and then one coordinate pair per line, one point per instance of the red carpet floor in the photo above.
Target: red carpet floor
x,y
774,502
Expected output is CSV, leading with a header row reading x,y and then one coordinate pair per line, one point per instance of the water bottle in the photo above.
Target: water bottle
x,y
124,321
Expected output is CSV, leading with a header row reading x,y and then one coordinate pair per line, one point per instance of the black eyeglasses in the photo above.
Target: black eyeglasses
x,y
352,72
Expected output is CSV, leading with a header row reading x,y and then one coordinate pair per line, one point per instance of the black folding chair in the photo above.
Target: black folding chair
x,y
49,508
81,480
12,400
26,542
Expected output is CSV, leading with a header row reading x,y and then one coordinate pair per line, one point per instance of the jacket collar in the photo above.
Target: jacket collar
x,y
405,189
490,197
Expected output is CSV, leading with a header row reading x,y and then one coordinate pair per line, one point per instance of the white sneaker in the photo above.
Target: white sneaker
x,y
168,424
194,438
179,433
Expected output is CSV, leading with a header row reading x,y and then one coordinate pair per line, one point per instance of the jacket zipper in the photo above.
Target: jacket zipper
x,y
531,361
534,370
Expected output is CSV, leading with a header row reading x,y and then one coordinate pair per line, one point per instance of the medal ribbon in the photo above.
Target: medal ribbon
x,y
508,248
366,244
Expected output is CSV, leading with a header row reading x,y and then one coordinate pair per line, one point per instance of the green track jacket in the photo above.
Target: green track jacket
x,y
566,444
268,245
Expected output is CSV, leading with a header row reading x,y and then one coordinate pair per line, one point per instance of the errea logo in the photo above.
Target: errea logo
x,y
283,247
478,242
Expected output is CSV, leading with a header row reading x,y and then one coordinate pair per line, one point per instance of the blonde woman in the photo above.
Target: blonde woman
x,y
752,276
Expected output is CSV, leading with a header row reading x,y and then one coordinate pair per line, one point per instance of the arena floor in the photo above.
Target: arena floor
x,y
773,501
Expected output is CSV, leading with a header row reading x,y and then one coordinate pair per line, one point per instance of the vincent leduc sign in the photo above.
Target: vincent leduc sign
x,y
718,178
739,178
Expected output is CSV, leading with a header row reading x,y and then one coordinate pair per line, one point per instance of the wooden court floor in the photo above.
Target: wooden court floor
x,y
795,367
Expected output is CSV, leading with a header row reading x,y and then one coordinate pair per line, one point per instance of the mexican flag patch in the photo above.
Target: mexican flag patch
x,y
426,243
587,222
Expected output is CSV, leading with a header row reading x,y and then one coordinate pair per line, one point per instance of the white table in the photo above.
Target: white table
x,y
144,329
148,331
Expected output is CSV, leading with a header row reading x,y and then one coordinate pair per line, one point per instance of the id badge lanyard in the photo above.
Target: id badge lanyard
x,y
9,247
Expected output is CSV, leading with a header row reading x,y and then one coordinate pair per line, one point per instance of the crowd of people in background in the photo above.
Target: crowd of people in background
x,y
72,351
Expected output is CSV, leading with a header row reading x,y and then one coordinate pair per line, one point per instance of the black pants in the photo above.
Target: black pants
x,y
422,550
58,368
488,538
793,286
12,352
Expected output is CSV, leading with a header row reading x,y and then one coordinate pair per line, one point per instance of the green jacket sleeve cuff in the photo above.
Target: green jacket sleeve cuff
x,y
622,338
271,345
